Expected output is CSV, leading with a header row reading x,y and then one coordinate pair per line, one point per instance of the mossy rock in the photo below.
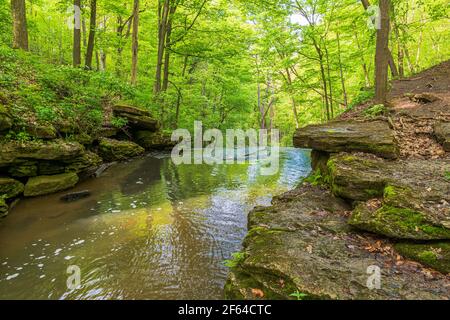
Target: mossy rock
x,y
303,244
374,137
138,119
115,150
398,223
44,185
433,255
153,140
3,208
15,152
5,119
24,169
87,161
10,188
356,178
83,138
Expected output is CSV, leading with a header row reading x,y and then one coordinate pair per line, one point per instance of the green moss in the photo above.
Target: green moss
x,y
433,255
10,188
376,110
43,185
400,223
3,207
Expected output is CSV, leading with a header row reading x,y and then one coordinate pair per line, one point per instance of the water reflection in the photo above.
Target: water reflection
x,y
150,230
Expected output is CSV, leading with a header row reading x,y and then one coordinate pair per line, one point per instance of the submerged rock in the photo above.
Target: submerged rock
x,y
13,152
43,185
434,255
10,188
442,132
153,140
75,196
303,244
114,150
374,137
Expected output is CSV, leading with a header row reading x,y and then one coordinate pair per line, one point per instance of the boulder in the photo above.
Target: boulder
x,y
303,244
5,119
3,208
138,119
14,152
442,132
107,132
10,188
363,177
153,140
114,150
141,122
374,137
435,255
43,185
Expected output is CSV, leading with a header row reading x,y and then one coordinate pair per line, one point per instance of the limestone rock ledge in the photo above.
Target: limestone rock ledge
x,y
303,244
374,137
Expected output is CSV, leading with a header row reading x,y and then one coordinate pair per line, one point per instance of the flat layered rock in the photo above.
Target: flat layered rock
x,y
153,140
115,150
414,195
138,119
374,137
13,152
43,185
303,244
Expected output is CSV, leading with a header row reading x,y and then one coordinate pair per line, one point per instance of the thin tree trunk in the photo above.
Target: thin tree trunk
x,y
364,65
382,54
167,49
135,41
92,28
341,71
163,12
77,34
20,29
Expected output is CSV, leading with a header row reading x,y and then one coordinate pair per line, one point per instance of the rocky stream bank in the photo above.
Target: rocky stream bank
x,y
379,197
58,158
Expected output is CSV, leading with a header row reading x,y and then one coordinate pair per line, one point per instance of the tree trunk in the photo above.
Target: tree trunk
x,y
382,54
77,34
92,28
135,43
394,71
163,12
364,65
167,49
20,29
341,72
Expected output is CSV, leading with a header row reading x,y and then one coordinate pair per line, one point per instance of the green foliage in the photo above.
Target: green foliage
x,y
375,111
237,258
119,122
298,295
362,97
447,175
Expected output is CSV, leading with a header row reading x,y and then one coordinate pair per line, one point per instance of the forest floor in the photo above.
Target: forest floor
x,y
379,196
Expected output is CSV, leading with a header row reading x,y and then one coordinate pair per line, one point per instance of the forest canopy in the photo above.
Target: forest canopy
x,y
230,63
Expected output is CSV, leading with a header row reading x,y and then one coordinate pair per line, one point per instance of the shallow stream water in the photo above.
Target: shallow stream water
x,y
150,230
